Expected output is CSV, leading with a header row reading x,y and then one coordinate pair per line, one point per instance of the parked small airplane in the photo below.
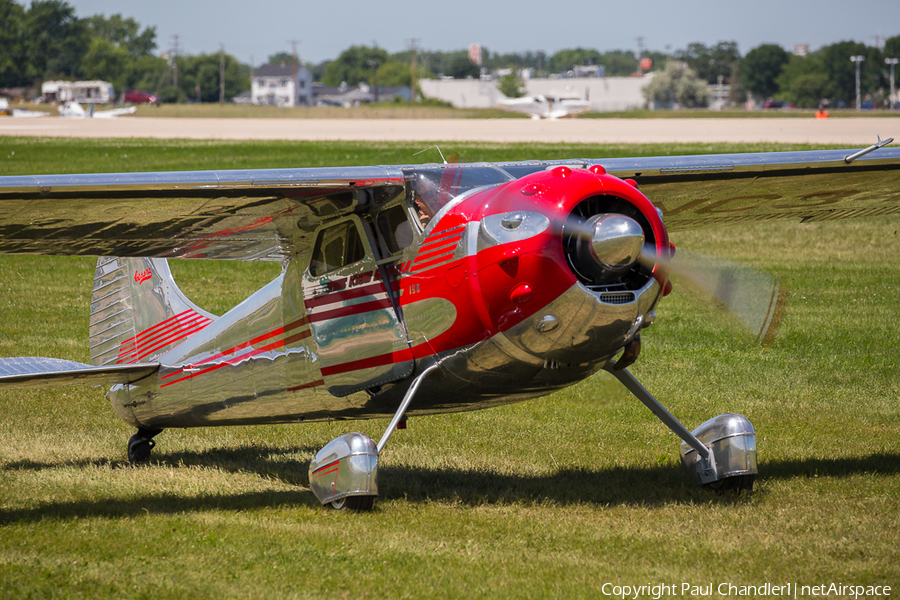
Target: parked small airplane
x,y
6,110
73,110
545,107
406,291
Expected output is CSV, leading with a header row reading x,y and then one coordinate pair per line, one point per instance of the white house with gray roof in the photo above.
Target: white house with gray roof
x,y
281,85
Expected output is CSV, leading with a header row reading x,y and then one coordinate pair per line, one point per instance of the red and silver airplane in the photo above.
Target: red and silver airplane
x,y
405,291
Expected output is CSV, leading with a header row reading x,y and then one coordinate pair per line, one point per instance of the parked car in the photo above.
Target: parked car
x,y
774,104
141,97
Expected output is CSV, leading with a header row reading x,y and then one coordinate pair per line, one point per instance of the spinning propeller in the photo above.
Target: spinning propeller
x,y
605,247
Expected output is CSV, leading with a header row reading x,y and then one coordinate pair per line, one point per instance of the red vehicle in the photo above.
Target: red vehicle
x,y
141,97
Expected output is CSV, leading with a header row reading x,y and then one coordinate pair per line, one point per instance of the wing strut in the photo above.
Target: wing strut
x,y
344,474
640,392
401,410
720,454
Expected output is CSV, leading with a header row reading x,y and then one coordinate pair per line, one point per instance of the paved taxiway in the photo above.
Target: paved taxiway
x,y
846,131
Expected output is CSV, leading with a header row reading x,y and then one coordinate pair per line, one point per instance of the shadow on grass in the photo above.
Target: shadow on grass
x,y
645,486
648,486
288,465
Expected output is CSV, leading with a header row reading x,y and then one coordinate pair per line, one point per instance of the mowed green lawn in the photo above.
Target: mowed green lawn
x,y
551,498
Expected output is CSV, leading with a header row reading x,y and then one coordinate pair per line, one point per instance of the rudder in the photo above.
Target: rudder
x,y
137,311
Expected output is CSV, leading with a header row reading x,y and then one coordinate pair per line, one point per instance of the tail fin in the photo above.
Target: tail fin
x,y
494,94
137,311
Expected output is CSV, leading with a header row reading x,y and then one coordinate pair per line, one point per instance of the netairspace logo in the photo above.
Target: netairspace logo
x,y
733,590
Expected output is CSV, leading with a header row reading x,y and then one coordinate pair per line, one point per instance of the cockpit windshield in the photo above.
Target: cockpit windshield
x,y
435,186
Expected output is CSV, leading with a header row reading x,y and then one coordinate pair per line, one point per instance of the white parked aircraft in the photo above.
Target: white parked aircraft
x,y
72,110
545,107
6,110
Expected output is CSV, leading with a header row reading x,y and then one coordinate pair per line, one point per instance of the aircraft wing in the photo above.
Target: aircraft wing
x,y
268,214
262,214
115,112
39,372
698,191
720,189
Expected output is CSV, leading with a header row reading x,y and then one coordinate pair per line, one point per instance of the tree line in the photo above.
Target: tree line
x,y
48,41
767,71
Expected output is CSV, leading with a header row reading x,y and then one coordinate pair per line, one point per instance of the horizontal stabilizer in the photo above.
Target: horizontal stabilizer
x,y
39,372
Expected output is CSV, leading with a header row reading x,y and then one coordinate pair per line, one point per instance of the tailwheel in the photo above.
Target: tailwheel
x,y
357,503
140,445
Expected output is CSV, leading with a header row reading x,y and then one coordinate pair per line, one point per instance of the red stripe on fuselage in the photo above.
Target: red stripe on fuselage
x,y
306,386
256,340
159,325
444,251
172,339
367,363
441,236
348,311
173,332
137,343
431,263
351,294
275,345
230,361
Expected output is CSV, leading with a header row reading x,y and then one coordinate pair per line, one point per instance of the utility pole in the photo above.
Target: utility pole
x,y
413,48
858,59
221,73
296,93
175,63
893,63
373,62
640,54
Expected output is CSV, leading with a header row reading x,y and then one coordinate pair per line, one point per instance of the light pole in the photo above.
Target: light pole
x,y
857,59
892,62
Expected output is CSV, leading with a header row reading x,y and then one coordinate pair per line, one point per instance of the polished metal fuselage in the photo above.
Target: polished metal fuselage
x,y
285,354
305,349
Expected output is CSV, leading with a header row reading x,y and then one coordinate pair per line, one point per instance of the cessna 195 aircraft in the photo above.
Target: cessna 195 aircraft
x,y
405,290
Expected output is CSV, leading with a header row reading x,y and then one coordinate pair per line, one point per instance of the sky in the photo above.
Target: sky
x,y
252,31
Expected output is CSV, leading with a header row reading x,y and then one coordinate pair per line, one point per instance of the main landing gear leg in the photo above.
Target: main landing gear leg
x,y
344,474
140,445
720,454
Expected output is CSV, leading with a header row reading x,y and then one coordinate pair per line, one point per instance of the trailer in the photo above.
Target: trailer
x,y
83,92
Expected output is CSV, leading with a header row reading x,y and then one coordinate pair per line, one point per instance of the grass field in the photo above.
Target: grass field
x,y
551,498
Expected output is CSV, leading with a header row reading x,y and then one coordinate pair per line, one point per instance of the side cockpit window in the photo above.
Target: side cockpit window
x,y
336,247
395,230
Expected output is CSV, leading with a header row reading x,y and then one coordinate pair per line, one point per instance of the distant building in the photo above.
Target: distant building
x,y
349,97
84,92
581,71
281,85
603,93
243,98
